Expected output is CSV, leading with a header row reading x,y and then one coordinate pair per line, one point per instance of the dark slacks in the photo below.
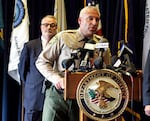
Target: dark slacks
x,y
31,115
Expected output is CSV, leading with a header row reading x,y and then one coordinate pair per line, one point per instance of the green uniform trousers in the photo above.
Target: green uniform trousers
x,y
57,109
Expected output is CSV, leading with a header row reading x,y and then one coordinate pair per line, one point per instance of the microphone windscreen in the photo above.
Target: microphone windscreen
x,y
98,63
114,59
67,63
131,69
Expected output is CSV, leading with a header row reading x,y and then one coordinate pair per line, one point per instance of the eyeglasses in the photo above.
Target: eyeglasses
x,y
52,25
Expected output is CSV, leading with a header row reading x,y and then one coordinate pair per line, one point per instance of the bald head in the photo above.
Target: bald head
x,y
88,20
88,9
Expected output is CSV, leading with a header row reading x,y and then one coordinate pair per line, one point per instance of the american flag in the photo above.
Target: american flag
x,y
95,97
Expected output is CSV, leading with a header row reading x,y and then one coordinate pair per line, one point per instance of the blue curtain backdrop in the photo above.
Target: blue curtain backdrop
x,y
112,28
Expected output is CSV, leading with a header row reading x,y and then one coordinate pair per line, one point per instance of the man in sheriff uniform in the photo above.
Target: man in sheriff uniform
x,y
66,42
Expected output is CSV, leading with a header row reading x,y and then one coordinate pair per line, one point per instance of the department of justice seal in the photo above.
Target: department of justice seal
x,y
102,95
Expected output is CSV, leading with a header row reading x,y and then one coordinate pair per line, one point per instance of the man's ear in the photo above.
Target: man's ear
x,y
79,20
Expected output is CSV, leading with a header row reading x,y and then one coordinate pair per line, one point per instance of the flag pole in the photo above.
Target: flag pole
x,y
126,20
84,3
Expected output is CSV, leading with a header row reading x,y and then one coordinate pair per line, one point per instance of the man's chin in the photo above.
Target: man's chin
x,y
93,30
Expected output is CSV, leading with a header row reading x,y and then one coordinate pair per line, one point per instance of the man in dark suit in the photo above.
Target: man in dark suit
x,y
29,75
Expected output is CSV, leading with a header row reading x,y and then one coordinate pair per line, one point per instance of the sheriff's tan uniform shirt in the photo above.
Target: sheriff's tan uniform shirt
x,y
64,43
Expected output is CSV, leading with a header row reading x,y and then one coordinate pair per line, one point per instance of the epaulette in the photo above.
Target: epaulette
x,y
99,38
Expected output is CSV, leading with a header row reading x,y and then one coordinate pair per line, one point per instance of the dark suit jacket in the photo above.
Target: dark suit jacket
x,y
30,76
146,82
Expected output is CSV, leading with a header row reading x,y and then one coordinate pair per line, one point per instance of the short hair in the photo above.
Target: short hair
x,y
85,9
49,16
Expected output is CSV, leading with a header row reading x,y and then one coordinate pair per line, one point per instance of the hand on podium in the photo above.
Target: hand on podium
x,y
59,84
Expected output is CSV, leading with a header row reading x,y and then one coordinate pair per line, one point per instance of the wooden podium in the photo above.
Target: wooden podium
x,y
72,80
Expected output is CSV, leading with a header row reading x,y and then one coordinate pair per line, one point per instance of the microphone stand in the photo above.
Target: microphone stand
x,y
132,93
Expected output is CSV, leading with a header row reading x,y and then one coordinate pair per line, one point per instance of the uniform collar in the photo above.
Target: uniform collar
x,y
82,36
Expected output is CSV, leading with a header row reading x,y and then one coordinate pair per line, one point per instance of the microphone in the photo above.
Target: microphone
x,y
117,63
122,63
66,63
114,59
88,48
98,62
101,46
131,69
123,56
119,69
125,53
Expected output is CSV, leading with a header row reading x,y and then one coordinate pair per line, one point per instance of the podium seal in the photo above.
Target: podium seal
x,y
102,95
